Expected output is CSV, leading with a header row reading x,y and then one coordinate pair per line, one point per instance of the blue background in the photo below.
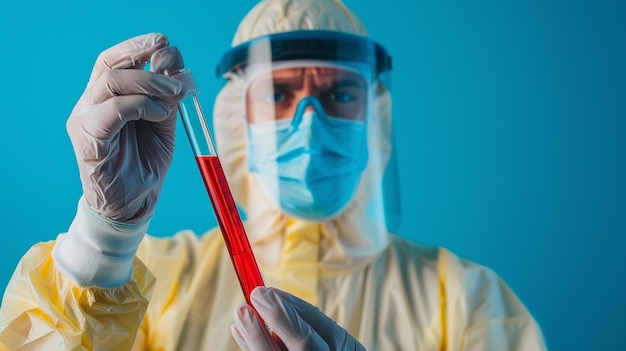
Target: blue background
x,y
510,121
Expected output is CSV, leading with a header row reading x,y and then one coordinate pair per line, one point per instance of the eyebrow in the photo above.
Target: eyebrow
x,y
288,84
350,82
296,83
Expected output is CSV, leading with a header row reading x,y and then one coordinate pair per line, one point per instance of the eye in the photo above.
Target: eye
x,y
341,96
279,97
272,98
280,94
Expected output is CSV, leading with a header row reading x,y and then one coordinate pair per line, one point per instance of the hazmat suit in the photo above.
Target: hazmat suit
x,y
385,291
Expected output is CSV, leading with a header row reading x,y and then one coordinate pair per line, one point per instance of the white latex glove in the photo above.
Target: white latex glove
x,y
123,131
300,325
123,128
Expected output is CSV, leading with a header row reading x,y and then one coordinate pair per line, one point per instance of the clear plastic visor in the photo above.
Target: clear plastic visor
x,y
318,113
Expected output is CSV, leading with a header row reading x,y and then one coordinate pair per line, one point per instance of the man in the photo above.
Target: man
x,y
303,127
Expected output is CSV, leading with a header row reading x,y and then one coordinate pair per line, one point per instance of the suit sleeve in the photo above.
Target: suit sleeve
x,y
43,309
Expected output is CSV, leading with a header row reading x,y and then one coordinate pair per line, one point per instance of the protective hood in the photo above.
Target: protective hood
x,y
357,234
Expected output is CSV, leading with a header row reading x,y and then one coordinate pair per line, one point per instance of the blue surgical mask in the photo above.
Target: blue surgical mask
x,y
309,166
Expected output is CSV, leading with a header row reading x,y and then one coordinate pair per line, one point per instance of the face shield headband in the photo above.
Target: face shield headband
x,y
306,45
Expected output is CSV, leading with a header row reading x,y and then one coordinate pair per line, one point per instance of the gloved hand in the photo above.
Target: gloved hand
x,y
122,128
300,325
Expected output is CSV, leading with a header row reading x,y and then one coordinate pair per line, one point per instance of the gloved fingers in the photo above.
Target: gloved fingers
x,y
249,331
284,320
131,82
166,60
234,330
241,341
334,335
104,121
131,53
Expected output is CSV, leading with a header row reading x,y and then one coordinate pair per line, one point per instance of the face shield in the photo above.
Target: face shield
x,y
317,111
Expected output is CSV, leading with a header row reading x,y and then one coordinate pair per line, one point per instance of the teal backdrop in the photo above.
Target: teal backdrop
x,y
510,127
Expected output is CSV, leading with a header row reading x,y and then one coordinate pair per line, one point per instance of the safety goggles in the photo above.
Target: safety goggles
x,y
288,73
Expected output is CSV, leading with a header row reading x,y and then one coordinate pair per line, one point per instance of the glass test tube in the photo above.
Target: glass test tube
x,y
217,187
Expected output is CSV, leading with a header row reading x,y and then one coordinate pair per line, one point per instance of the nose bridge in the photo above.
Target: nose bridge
x,y
308,90
308,83
304,105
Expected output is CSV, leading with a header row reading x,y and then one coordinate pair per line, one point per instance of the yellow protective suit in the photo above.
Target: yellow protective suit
x,y
409,297
389,293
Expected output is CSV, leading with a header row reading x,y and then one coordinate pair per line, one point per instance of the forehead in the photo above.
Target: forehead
x,y
306,71
297,74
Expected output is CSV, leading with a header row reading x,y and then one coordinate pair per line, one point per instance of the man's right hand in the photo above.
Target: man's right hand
x,y
123,127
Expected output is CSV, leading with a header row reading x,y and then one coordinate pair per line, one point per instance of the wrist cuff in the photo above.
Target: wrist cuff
x,y
97,251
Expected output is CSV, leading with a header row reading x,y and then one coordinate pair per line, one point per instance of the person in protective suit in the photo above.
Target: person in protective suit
x,y
303,129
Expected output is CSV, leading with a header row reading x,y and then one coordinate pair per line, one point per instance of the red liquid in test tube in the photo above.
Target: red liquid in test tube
x,y
232,229
217,187
219,192
230,223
